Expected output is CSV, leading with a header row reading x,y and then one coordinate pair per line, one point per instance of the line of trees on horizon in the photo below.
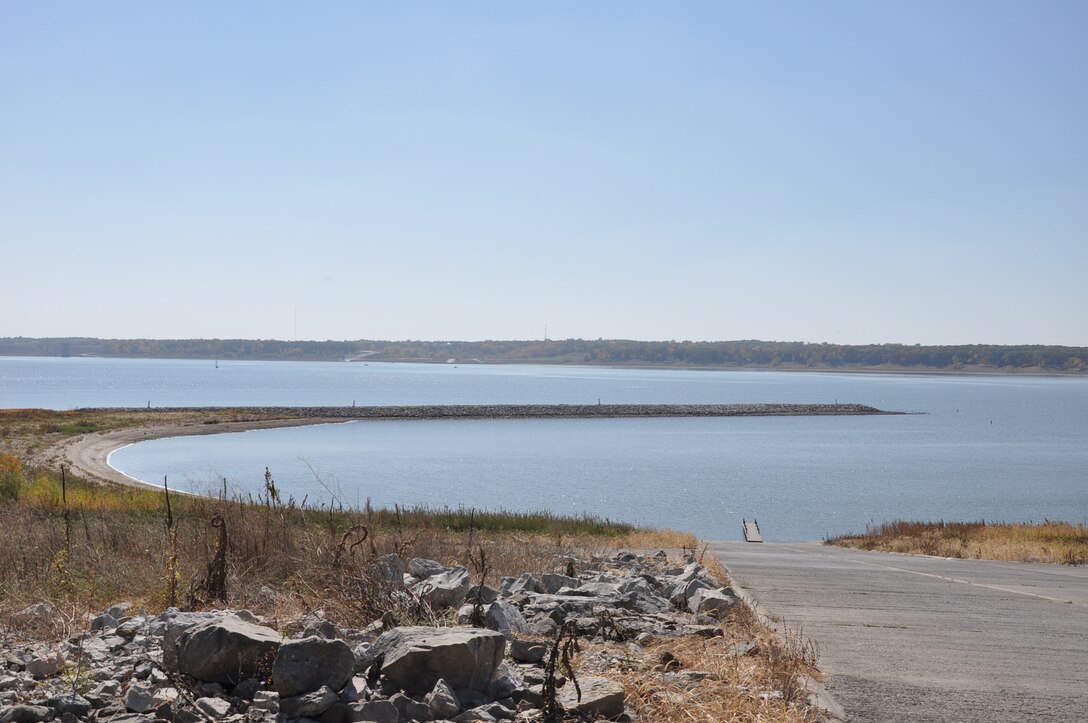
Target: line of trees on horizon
x,y
726,354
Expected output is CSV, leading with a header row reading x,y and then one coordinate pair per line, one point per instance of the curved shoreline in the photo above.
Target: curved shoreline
x,y
88,455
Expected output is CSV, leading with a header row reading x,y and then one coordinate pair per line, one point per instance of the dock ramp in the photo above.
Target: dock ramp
x,y
751,531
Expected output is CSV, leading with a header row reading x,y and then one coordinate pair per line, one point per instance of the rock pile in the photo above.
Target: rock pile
x,y
224,665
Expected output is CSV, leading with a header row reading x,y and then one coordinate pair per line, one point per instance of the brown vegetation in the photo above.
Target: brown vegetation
x,y
1054,542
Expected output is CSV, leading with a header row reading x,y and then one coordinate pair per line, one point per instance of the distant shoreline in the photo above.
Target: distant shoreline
x,y
88,455
890,369
722,355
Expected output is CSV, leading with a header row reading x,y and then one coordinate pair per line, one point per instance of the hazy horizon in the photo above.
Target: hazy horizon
x,y
849,173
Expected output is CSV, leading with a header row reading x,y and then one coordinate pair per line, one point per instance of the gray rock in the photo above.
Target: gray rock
x,y
364,656
685,590
214,707
376,711
691,571
600,698
39,611
246,689
593,589
119,610
307,664
266,700
504,682
524,584
527,651
443,701
309,705
105,621
141,698
553,582
227,650
505,618
446,589
499,711
545,627
321,629
710,602
72,703
415,658
171,624
464,614
487,593
45,665
26,714
208,690
409,709
130,627
421,568
106,689
532,696
390,567
355,690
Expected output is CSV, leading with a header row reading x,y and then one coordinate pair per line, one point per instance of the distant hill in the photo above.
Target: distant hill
x,y
713,354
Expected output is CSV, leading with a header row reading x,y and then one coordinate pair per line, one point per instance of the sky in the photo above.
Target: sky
x,y
846,172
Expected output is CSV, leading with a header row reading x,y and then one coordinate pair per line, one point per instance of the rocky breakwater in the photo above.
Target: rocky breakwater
x,y
498,654
533,411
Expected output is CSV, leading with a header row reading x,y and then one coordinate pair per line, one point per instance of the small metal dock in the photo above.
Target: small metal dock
x,y
751,531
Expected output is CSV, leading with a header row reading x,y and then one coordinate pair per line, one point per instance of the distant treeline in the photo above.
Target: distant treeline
x,y
787,355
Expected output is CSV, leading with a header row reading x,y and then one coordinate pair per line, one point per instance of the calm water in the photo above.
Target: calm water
x,y
997,448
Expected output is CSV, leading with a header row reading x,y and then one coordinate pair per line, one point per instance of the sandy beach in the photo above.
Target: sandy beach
x,y
88,455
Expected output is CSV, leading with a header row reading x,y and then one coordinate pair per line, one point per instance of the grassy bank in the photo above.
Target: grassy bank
x,y
1053,542
83,546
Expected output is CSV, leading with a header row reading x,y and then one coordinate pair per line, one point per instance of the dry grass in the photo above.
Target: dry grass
x,y
1053,542
84,546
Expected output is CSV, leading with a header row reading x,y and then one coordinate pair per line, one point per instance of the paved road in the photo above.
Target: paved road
x,y
907,638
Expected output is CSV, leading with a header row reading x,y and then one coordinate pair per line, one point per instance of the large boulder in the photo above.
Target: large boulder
x,y
416,658
227,650
601,698
307,664
686,590
524,584
553,582
446,589
505,618
711,602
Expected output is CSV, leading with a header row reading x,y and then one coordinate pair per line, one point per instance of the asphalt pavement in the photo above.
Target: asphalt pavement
x,y
914,638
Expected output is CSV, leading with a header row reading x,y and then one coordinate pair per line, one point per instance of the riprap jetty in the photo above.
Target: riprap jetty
x,y
539,411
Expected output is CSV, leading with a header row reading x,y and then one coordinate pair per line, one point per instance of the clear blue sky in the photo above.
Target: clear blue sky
x,y
847,172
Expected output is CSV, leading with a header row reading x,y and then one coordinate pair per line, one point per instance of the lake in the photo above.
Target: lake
x,y
1000,448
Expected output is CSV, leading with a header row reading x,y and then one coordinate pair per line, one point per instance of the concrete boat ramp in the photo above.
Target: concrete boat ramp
x,y
913,638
